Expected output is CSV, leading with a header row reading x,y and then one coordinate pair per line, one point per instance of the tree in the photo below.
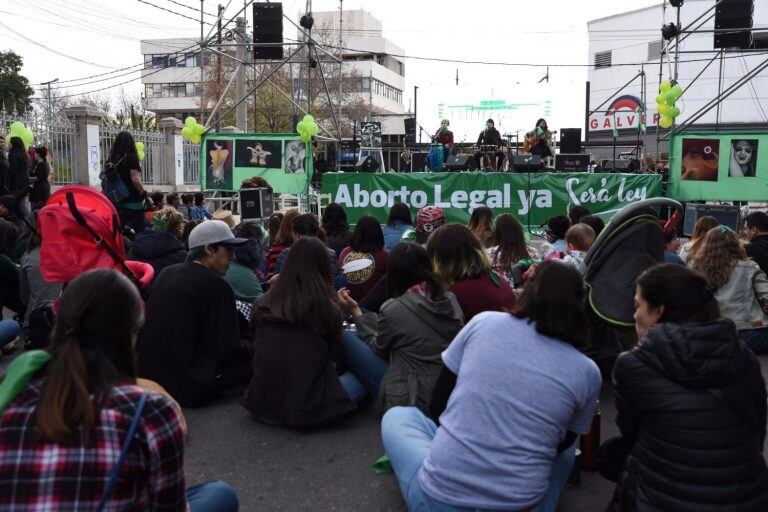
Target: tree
x,y
15,91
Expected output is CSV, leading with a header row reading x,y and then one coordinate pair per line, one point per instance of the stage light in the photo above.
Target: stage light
x,y
312,62
669,31
676,3
307,21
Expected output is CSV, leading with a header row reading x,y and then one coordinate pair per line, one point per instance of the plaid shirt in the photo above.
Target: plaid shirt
x,y
38,476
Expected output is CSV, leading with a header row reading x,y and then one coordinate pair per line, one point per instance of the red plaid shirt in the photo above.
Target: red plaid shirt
x,y
38,476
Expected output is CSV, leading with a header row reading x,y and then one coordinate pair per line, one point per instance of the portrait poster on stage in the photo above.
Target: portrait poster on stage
x,y
718,166
370,134
283,160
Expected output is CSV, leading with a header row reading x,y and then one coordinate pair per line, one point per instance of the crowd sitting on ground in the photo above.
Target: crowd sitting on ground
x,y
469,341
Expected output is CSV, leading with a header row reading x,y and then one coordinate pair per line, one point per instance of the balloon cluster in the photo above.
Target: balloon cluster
x,y
665,103
193,130
23,132
307,128
140,150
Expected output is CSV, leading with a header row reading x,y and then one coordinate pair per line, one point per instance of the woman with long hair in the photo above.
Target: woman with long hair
x,y
741,286
481,225
9,270
397,356
364,262
513,395
18,166
398,222
296,330
41,188
282,241
689,249
273,226
691,404
124,158
161,246
336,227
462,265
509,246
4,177
78,407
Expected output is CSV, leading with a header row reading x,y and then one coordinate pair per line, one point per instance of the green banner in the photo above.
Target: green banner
x,y
718,166
531,198
226,159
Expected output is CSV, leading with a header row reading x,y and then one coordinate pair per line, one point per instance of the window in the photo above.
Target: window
x,y
190,89
381,60
159,61
400,68
365,84
654,49
147,61
192,60
603,60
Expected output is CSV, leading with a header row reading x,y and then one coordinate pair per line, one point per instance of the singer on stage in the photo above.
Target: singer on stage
x,y
444,136
490,137
537,141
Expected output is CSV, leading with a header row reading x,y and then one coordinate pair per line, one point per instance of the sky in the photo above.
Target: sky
x,y
72,39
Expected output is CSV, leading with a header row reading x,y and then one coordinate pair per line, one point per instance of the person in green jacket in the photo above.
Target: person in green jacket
x,y
241,276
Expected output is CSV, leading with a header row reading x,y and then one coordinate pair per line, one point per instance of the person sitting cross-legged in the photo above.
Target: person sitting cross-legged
x,y
190,343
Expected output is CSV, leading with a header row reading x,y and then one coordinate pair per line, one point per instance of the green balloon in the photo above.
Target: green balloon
x,y
660,98
677,90
301,127
190,121
27,136
196,139
669,97
306,137
662,109
17,127
141,155
198,129
665,86
187,132
674,111
313,129
308,119
139,146
666,121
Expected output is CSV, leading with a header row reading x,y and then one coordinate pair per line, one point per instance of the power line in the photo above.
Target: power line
x,y
57,52
173,12
192,8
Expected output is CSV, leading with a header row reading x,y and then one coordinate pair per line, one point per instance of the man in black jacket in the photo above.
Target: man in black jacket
x,y
190,343
490,137
756,229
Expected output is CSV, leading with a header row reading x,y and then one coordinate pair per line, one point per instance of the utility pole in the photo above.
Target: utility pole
x,y
218,66
415,110
241,112
50,110
341,58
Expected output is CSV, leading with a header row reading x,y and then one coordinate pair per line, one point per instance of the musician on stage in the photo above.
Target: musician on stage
x,y
490,137
537,141
444,136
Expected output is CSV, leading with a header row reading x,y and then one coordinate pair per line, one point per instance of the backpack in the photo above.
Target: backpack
x,y
112,185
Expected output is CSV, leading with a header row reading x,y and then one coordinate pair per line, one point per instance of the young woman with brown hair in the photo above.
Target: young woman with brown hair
x,y
481,225
282,240
689,249
509,246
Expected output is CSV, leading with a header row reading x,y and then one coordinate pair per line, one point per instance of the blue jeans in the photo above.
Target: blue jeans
x,y
407,435
212,497
755,339
366,369
9,329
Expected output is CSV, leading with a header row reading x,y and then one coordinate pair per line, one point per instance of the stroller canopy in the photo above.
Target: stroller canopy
x,y
631,243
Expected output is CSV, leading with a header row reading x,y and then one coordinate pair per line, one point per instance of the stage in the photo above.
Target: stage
x,y
532,198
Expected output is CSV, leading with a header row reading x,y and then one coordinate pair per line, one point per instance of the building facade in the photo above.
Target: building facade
x,y
171,77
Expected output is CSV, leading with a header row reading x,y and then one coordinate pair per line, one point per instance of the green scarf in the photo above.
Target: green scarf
x,y
19,372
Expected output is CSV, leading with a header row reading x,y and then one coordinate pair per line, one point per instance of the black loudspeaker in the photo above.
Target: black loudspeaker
x,y
410,130
631,165
571,163
268,29
255,203
734,14
570,140
367,164
726,215
526,163
460,163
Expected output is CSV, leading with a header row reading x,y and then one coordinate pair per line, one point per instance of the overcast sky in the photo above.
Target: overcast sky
x,y
98,36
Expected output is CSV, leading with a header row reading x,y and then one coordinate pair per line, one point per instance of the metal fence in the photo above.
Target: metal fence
x,y
191,163
54,132
153,165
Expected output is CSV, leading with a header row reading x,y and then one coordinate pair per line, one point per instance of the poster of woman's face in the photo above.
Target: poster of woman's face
x,y
218,164
294,157
743,158
700,159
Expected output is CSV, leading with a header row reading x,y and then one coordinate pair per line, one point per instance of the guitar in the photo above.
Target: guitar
x,y
530,141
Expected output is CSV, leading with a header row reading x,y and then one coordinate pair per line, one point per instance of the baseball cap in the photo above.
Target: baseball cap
x,y
213,232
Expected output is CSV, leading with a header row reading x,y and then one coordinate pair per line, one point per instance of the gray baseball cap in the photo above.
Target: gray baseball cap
x,y
213,232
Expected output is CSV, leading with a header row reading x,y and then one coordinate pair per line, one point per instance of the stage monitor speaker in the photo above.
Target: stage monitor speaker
x,y
726,215
410,130
268,29
255,203
631,165
460,163
570,140
734,14
367,164
526,163
571,162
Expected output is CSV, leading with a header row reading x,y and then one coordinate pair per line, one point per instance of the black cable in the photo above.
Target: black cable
x,y
173,12
192,8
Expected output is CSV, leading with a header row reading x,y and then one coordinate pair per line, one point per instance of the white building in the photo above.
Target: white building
x,y
641,43
171,77
374,58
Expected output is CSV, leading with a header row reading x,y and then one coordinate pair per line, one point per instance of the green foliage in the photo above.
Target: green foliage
x,y
15,91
